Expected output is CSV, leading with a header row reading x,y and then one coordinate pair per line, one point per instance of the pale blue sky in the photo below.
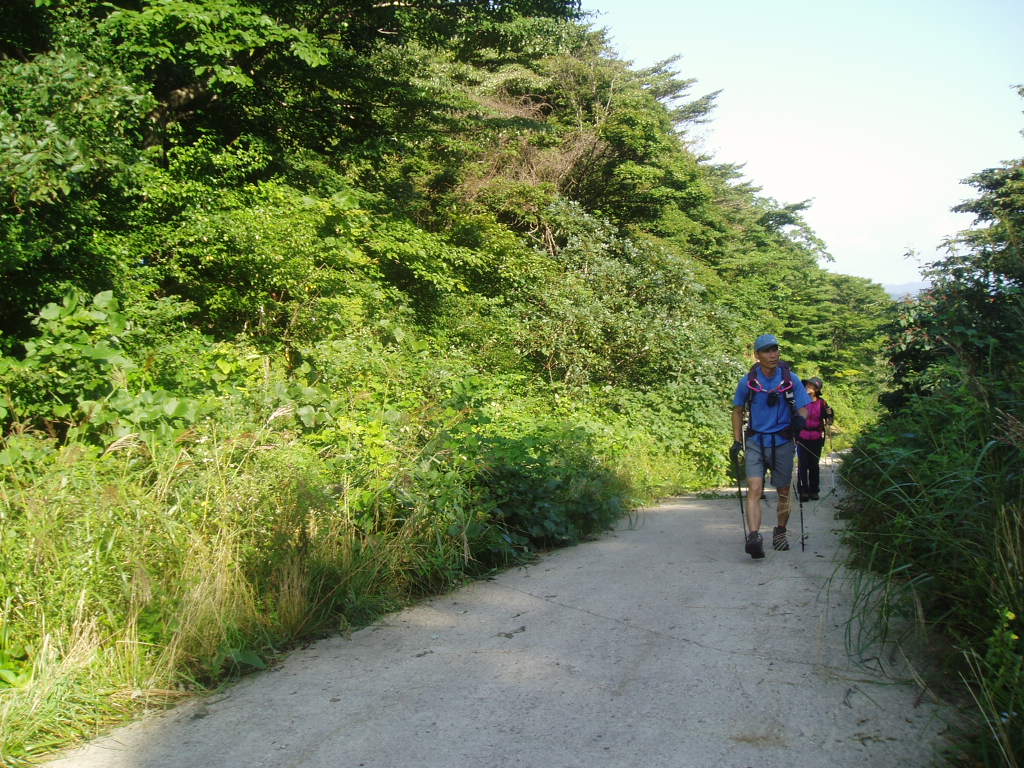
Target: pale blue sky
x,y
876,110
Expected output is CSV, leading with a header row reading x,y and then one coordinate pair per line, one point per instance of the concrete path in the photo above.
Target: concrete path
x,y
660,645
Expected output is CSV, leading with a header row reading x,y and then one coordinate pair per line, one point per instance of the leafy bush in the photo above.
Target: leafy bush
x,y
935,492
69,150
547,488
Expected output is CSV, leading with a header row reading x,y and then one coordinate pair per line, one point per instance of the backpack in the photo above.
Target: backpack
x,y
826,417
785,388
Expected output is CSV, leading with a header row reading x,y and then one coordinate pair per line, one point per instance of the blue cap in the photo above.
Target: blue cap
x,y
765,340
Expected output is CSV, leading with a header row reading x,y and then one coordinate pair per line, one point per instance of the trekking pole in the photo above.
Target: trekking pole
x,y
831,461
799,497
739,495
803,538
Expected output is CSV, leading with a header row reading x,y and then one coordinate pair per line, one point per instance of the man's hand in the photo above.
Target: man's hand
x,y
799,420
735,451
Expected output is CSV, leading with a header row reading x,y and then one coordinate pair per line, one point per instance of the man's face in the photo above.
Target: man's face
x,y
769,356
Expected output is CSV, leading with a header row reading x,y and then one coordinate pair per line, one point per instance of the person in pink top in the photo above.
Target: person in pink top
x,y
811,440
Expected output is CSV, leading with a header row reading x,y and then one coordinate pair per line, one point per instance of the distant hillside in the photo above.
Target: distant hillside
x,y
900,290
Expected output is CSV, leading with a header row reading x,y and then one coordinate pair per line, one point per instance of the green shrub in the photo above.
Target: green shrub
x,y
935,502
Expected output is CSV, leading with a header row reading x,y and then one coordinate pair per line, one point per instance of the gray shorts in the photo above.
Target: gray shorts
x,y
760,459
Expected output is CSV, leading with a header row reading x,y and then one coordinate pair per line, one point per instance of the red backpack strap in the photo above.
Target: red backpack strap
x,y
753,385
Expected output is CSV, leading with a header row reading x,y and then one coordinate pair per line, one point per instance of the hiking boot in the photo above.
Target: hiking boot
x,y
779,543
754,546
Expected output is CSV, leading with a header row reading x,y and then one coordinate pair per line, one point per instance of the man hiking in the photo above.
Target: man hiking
x,y
777,403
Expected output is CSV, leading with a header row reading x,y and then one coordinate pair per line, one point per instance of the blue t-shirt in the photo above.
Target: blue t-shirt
x,y
766,418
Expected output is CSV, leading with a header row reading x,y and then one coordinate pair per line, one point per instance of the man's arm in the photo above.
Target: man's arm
x,y
800,419
737,423
737,434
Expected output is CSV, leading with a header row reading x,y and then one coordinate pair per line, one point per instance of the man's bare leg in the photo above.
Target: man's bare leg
x,y
755,485
785,504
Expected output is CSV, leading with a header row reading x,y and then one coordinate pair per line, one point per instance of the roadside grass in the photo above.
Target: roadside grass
x,y
934,509
142,572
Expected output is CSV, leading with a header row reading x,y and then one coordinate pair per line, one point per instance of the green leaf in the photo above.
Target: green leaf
x,y
116,322
104,300
307,414
107,354
50,312
247,658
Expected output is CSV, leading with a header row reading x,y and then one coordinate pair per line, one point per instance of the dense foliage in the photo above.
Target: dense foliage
x,y
313,307
937,485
